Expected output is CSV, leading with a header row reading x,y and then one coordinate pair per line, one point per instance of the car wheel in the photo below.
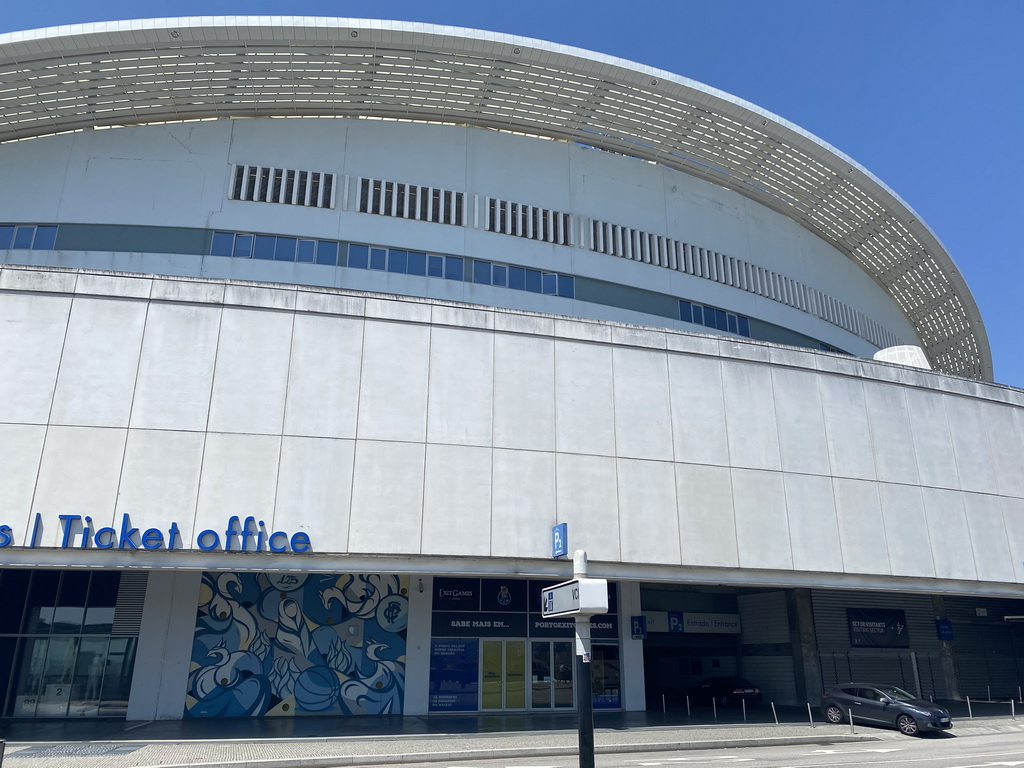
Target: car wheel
x,y
907,725
834,714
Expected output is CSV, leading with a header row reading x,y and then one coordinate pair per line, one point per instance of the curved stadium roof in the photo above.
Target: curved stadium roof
x,y
157,70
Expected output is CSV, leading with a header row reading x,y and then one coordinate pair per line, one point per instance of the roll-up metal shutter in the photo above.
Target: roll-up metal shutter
x,y
765,645
131,599
988,650
918,668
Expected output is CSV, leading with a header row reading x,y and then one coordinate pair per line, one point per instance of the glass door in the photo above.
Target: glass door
x,y
552,674
503,674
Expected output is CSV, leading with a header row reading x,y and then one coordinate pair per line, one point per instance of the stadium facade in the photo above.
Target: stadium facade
x,y
312,330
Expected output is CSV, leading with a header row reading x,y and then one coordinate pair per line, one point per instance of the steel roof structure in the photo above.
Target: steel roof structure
x,y
86,76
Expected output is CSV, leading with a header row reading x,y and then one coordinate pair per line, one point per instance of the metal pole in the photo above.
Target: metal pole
x,y
584,684
663,710
809,715
850,713
970,713
1020,696
743,703
988,690
714,708
1013,711
687,706
775,714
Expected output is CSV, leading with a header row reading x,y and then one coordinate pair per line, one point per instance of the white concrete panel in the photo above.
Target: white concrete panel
x,y
802,440
642,416
762,524
21,447
1006,436
861,527
387,498
524,406
159,481
1013,520
891,433
906,530
698,410
31,338
252,372
587,503
393,388
813,523
949,534
706,519
583,399
239,478
935,462
975,465
461,388
457,501
988,537
323,376
523,503
314,488
78,475
846,426
648,512
160,677
179,350
99,363
753,431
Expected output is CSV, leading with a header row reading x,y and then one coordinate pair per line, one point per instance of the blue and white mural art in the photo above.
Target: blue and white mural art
x,y
298,644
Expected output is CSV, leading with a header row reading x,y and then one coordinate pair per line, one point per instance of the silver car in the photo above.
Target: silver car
x,y
883,705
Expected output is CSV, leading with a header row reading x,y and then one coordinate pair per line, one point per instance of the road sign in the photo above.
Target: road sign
x,y
639,627
560,540
579,597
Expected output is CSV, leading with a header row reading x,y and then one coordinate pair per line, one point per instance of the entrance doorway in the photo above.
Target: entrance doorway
x,y
503,673
552,674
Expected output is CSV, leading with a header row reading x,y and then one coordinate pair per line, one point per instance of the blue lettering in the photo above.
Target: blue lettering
x,y
126,541
274,535
172,535
68,520
5,535
100,543
300,542
206,535
153,538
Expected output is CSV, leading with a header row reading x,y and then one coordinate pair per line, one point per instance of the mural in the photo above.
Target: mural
x,y
296,644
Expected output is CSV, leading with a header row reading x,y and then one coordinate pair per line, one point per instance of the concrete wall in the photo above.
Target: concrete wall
x,y
178,175
393,428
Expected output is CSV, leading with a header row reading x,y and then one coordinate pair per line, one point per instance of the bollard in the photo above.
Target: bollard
x,y
743,702
1020,697
3,743
850,713
809,715
970,713
663,703
714,708
988,691
775,715
687,706
1013,711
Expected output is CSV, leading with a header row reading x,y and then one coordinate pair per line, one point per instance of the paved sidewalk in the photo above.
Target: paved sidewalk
x,y
323,742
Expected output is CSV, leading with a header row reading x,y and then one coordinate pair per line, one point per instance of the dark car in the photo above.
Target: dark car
x,y
725,691
883,705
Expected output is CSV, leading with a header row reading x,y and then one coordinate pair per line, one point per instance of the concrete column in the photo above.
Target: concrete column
x,y
160,679
806,669
417,646
946,653
631,651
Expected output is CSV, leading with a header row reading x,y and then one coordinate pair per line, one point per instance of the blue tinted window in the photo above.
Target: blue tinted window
x,y
264,247
417,263
499,275
566,287
517,278
685,313
732,323
223,242
6,235
482,272
452,268
45,238
285,250
698,314
307,250
549,283
327,252
435,266
709,317
720,322
243,247
533,281
358,256
378,258
23,237
398,261
744,325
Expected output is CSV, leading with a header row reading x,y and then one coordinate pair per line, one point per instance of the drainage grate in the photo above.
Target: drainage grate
x,y
75,750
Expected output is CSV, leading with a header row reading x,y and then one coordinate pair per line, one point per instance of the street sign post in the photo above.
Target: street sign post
x,y
582,598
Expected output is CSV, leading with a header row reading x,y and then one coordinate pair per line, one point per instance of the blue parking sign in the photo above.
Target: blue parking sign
x,y
560,540
639,624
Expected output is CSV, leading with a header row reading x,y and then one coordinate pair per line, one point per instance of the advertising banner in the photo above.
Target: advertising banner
x,y
878,628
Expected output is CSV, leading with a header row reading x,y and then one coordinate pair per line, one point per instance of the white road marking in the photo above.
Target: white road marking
x,y
850,751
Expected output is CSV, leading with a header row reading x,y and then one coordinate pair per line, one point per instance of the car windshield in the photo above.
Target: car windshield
x,y
896,694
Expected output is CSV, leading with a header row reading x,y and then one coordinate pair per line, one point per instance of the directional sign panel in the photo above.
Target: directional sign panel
x,y
560,540
579,597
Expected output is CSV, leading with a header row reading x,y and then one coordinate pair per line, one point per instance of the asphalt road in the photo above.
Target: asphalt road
x,y
933,751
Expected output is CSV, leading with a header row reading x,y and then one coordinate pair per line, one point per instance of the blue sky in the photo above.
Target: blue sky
x,y
926,94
